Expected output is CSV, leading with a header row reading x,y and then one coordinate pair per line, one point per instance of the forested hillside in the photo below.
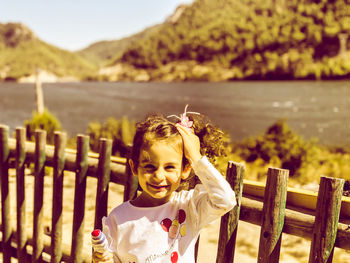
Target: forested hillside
x,y
100,53
209,40
245,39
22,53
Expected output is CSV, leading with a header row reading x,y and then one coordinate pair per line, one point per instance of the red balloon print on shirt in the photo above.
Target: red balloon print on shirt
x,y
174,257
182,216
166,223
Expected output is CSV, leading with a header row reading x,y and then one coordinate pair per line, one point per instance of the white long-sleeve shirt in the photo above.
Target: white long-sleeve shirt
x,y
168,233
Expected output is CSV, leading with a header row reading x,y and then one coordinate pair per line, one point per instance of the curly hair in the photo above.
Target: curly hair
x,y
157,127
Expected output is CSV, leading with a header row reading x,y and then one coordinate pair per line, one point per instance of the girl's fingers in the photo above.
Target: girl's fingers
x,y
191,143
182,128
101,257
186,133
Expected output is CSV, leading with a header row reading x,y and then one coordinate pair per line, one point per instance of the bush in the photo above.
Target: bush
x,y
278,145
121,132
46,121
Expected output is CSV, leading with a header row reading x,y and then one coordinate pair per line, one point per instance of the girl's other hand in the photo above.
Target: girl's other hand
x,y
191,144
105,257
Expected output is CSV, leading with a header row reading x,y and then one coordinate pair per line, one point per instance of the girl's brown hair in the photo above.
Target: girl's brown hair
x,y
157,127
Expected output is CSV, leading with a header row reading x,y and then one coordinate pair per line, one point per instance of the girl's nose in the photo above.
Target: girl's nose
x,y
159,174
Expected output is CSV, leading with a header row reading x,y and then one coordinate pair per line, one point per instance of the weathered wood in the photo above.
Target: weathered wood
x,y
326,220
66,248
343,39
298,223
39,96
229,222
117,165
38,227
273,216
5,194
20,185
103,177
57,196
296,198
196,249
79,199
295,223
132,182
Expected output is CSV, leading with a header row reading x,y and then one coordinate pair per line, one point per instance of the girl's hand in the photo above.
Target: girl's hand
x,y
105,257
191,144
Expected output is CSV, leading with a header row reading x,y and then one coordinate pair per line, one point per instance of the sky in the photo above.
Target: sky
x,y
75,24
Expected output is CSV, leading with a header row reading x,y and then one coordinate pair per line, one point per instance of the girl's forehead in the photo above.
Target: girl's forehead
x,y
175,141
161,148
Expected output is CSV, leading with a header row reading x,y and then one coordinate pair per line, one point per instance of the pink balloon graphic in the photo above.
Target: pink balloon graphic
x,y
174,257
166,223
182,216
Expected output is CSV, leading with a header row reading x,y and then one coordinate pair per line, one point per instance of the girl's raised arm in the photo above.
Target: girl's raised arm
x,y
191,144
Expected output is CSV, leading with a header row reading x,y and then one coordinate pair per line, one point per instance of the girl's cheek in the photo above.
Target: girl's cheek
x,y
173,178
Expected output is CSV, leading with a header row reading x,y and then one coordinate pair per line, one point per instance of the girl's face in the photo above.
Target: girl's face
x,y
160,171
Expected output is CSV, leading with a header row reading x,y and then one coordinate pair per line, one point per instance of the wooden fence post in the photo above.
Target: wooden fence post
x,y
21,205
5,196
39,96
38,227
326,220
229,222
57,196
273,215
79,198
103,175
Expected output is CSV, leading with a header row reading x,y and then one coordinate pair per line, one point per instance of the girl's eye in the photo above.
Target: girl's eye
x,y
170,167
149,167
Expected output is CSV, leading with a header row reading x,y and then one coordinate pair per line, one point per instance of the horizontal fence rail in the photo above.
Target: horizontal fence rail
x,y
275,207
117,164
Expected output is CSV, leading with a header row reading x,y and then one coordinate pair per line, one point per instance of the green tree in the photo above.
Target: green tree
x,y
254,39
280,142
46,121
121,132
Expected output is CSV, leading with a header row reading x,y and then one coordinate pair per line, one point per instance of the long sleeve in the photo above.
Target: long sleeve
x,y
214,197
169,231
110,228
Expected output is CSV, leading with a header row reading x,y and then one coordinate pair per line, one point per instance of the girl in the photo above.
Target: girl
x,y
162,224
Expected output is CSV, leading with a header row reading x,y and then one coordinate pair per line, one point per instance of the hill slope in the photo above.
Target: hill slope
x,y
102,52
243,39
22,53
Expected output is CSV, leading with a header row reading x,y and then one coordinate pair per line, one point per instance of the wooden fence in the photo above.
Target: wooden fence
x,y
324,218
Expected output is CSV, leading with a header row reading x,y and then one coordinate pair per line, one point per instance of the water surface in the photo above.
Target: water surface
x,y
313,109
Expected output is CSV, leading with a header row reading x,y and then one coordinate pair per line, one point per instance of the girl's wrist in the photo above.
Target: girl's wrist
x,y
195,158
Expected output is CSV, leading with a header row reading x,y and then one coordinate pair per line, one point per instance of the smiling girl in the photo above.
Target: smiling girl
x,y
163,224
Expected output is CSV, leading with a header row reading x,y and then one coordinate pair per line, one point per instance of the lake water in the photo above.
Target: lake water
x,y
313,109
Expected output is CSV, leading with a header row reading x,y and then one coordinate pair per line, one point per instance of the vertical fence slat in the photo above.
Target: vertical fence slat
x,y
326,220
57,196
229,222
103,175
38,227
131,183
5,197
273,215
79,199
21,206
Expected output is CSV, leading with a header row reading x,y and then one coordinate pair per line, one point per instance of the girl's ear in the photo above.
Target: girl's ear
x,y
186,171
132,167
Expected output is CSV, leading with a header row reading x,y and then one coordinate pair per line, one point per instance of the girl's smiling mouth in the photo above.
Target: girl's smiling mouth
x,y
158,187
